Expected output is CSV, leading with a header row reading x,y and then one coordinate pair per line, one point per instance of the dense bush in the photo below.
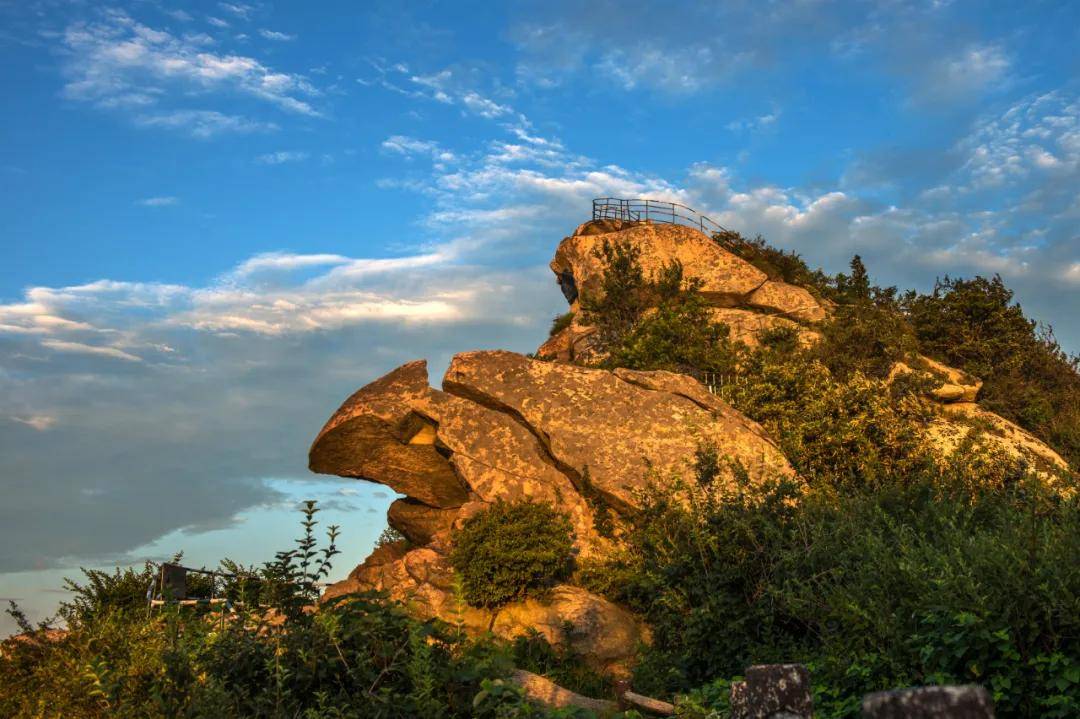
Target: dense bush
x,y
974,325
661,322
924,582
776,263
511,551
358,656
560,323
853,432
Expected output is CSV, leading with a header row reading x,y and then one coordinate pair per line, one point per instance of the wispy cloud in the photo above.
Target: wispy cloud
x,y
118,62
40,422
240,10
752,124
203,124
446,87
82,348
281,157
275,35
410,146
160,201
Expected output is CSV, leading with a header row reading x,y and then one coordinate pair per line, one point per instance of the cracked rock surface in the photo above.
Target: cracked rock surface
x,y
507,427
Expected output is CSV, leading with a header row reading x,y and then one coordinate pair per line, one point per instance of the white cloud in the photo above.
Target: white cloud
x,y
203,124
276,36
281,157
410,146
284,261
119,62
82,348
40,422
1037,135
217,22
240,10
971,71
161,201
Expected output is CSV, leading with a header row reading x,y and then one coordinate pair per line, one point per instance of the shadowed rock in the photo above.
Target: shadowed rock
x,y
419,522
948,702
773,691
377,435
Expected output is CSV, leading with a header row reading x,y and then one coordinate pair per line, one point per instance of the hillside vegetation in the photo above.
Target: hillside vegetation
x,y
885,563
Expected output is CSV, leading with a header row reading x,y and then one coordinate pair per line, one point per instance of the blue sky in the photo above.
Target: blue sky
x,y
219,219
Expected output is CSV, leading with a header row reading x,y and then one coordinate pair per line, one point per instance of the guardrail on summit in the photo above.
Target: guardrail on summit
x,y
642,210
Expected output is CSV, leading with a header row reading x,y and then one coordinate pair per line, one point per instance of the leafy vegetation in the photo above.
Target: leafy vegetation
x,y
926,581
511,551
358,656
891,566
662,322
776,263
974,325
560,323
897,566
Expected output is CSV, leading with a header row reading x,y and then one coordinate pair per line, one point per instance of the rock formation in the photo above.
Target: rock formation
x,y
744,298
505,427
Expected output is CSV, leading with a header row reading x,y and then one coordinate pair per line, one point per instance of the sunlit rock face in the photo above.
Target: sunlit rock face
x,y
744,297
584,440
507,427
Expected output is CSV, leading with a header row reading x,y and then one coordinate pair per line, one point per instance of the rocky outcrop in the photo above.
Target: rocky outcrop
x,y
947,383
506,427
726,279
787,301
958,420
743,297
612,430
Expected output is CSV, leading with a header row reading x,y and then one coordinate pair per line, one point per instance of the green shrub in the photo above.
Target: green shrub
x,y
511,551
658,323
560,323
855,433
933,580
776,263
359,656
975,326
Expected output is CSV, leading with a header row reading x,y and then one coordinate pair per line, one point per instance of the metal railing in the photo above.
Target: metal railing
x,y
642,210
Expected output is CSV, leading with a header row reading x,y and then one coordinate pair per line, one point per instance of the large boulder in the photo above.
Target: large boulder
x,y
726,279
610,433
378,435
787,301
509,428
601,632
958,420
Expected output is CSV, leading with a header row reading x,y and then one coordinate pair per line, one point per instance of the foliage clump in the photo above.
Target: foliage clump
x,y
778,264
974,325
935,579
650,323
511,551
358,656
560,323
